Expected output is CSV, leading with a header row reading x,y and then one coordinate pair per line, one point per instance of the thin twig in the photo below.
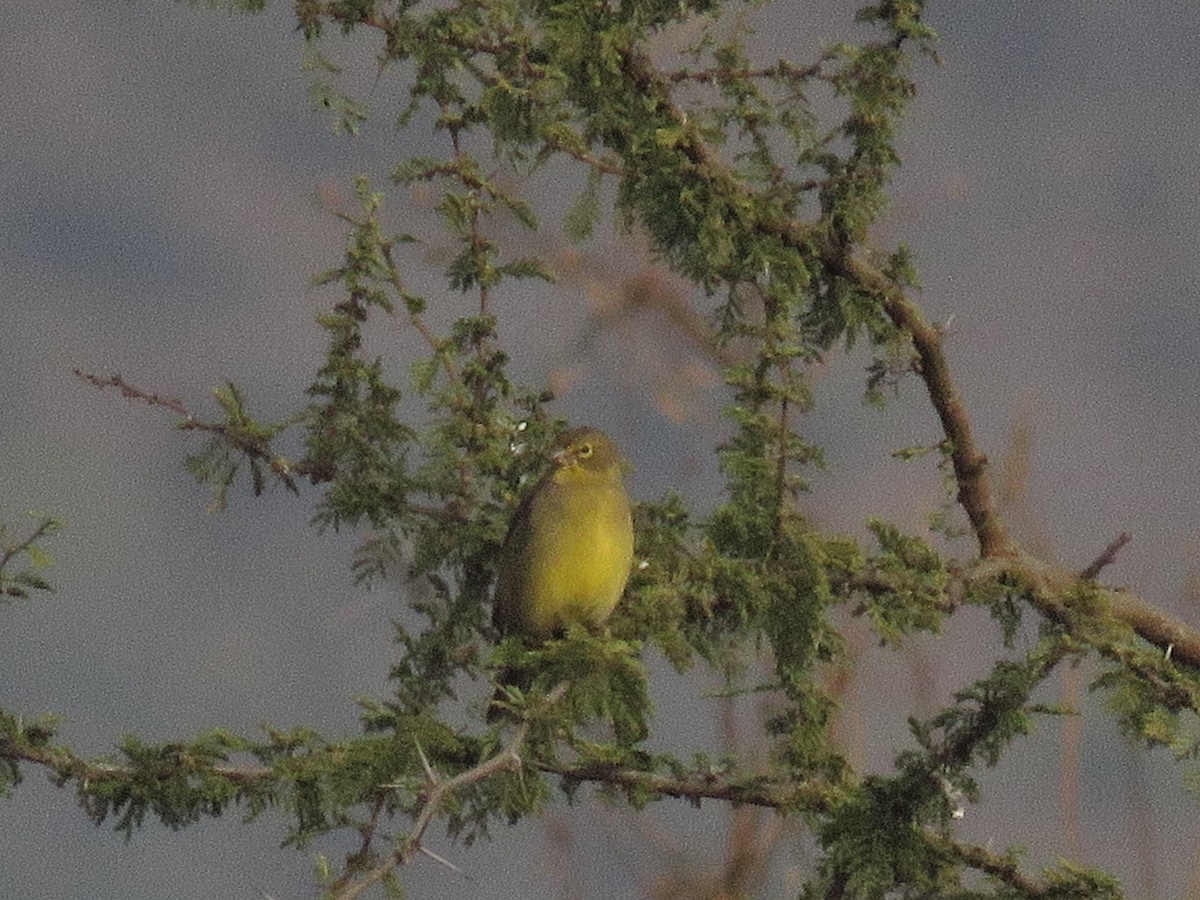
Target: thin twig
x,y
17,549
781,69
812,796
129,392
415,320
1108,557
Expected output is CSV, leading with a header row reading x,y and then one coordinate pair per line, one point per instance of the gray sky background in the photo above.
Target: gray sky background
x,y
163,186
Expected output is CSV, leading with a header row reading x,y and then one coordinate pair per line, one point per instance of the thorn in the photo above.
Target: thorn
x,y
429,773
440,859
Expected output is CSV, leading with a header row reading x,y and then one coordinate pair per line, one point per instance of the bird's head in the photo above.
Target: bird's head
x,y
586,450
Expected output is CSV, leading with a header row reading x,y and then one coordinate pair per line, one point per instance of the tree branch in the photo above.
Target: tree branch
x,y
771,793
260,450
1048,586
436,793
129,392
66,766
1002,868
1053,589
970,464
1108,556
783,795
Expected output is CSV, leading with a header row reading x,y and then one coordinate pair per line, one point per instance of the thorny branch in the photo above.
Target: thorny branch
x,y
129,392
975,492
436,792
1002,868
260,450
255,448
767,793
813,796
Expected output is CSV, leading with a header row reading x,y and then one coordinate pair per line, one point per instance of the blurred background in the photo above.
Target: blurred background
x,y
166,190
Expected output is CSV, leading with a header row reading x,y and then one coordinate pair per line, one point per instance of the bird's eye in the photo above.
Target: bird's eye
x,y
585,450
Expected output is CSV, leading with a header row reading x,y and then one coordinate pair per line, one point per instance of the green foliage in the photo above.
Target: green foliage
x,y
1006,606
671,597
908,585
1154,701
598,677
877,839
239,440
355,443
581,218
874,841
175,781
1074,882
17,585
21,740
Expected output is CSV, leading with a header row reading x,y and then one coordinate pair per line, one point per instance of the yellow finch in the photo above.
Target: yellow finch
x,y
567,555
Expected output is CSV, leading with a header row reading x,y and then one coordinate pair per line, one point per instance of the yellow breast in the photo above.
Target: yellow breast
x,y
568,556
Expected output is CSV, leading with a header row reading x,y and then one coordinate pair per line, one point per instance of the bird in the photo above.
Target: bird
x,y
569,547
